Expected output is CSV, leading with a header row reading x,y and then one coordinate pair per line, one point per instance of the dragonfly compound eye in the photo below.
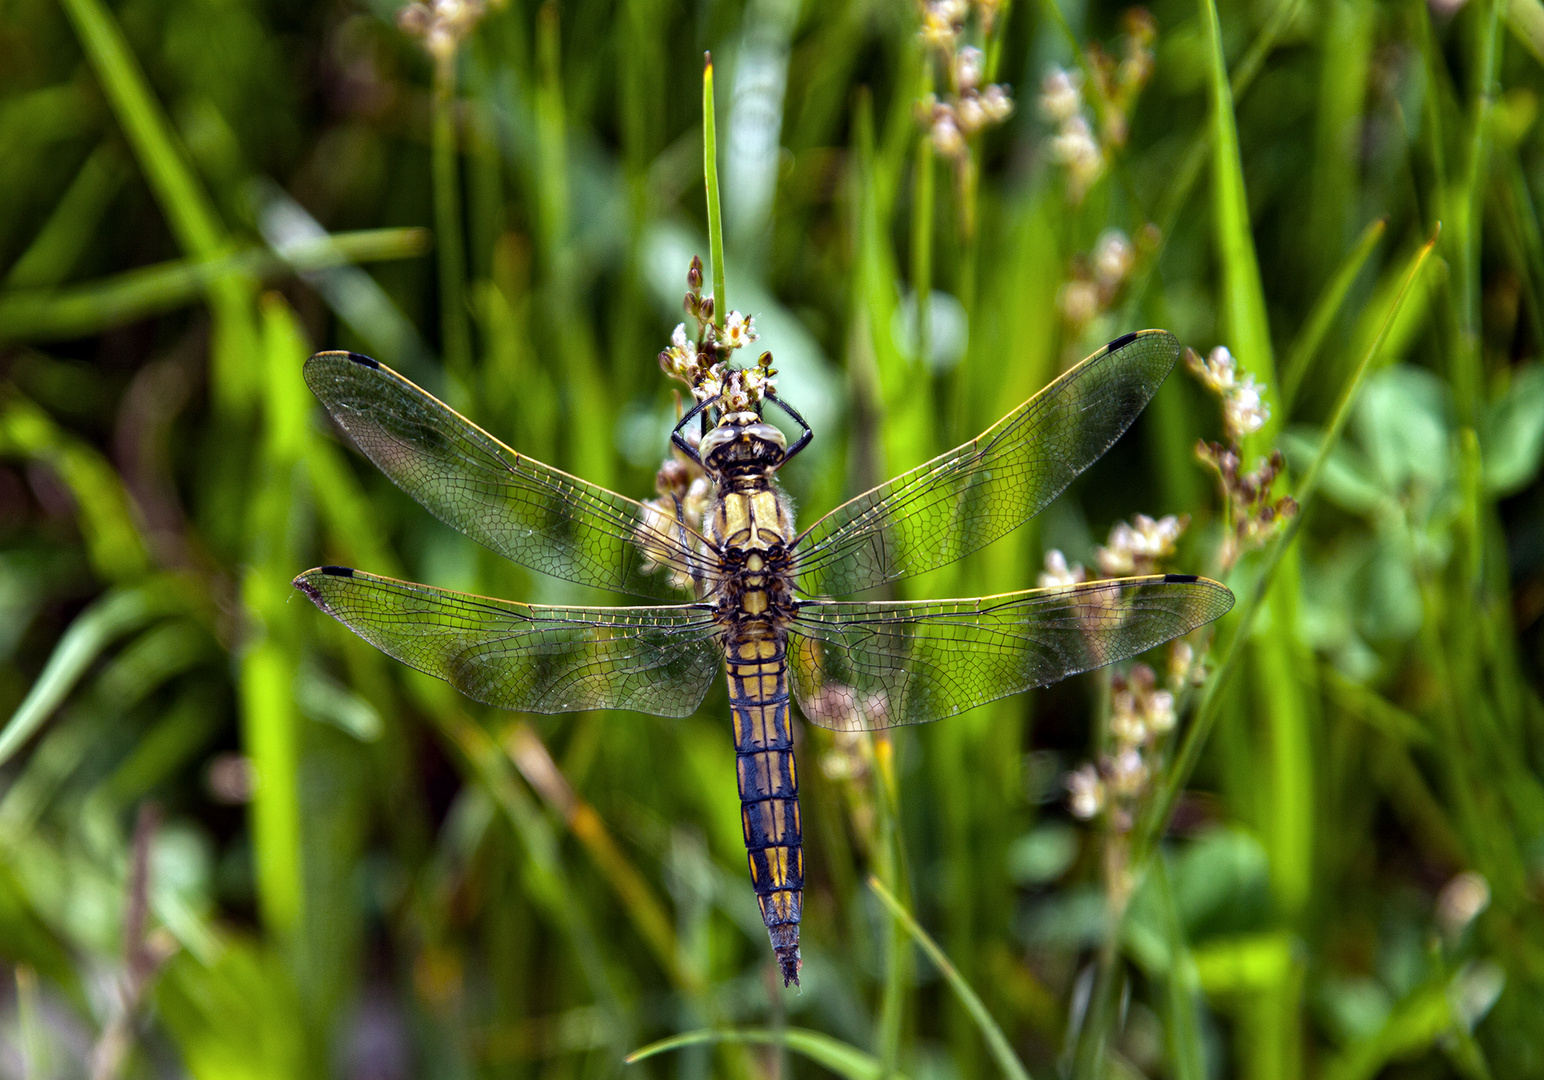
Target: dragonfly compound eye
x,y
732,444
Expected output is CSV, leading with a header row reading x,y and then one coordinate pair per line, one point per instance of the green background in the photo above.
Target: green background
x,y
348,870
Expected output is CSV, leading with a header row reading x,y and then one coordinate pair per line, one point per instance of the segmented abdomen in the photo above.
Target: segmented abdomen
x,y
769,787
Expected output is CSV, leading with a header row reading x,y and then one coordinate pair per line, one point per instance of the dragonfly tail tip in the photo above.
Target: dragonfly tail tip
x,y
790,962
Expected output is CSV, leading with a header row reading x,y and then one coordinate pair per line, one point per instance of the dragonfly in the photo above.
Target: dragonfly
x,y
748,594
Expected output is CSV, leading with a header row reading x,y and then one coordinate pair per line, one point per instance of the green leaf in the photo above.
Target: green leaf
x,y
109,618
1512,433
1244,964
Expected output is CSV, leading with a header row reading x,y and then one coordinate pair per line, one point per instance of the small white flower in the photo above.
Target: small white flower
x,y
945,134
1159,712
1113,257
1061,95
996,103
709,388
1244,410
739,330
1217,372
968,68
1460,901
1127,772
1126,720
1075,147
941,23
1138,548
1058,574
1087,792
971,116
1079,301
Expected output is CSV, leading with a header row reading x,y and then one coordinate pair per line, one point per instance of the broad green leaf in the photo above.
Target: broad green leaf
x,y
1512,433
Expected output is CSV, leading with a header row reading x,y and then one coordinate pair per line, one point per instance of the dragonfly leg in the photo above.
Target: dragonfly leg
x,y
679,440
803,440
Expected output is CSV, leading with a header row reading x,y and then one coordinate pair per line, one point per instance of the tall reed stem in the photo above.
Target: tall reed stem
x,y
710,175
456,342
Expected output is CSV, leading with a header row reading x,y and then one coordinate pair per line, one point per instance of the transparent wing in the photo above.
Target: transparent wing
x,y
528,657
964,499
531,513
865,666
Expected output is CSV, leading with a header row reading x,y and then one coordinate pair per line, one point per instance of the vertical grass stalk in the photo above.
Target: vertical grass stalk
x,y
715,211
923,197
888,864
456,340
1002,1050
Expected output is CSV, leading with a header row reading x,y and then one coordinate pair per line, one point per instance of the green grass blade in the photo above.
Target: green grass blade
x,y
1177,192
90,308
1243,305
109,618
996,1041
105,515
710,178
1526,19
841,1058
1184,763
70,228
1323,313
1181,987
188,209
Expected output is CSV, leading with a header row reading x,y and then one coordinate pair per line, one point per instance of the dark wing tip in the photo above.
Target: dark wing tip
x,y
304,583
341,354
308,584
1222,598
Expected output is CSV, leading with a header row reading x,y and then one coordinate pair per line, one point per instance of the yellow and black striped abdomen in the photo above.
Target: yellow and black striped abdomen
x,y
769,786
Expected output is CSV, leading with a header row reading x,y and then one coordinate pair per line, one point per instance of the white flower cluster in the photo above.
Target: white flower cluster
x,y
442,24
1074,144
1117,85
1097,279
1140,716
1244,410
1252,512
1138,548
968,107
704,365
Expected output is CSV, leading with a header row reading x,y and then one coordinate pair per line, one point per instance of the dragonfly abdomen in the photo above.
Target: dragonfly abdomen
x,y
769,787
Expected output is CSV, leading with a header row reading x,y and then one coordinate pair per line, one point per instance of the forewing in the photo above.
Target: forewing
x,y
531,513
964,499
865,666
526,657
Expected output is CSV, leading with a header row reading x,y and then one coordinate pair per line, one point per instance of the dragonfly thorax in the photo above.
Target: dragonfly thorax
x,y
742,442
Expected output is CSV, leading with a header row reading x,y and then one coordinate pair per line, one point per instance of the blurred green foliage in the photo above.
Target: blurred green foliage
x,y
235,841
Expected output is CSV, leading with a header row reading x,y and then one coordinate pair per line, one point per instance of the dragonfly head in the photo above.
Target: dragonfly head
x,y
742,442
